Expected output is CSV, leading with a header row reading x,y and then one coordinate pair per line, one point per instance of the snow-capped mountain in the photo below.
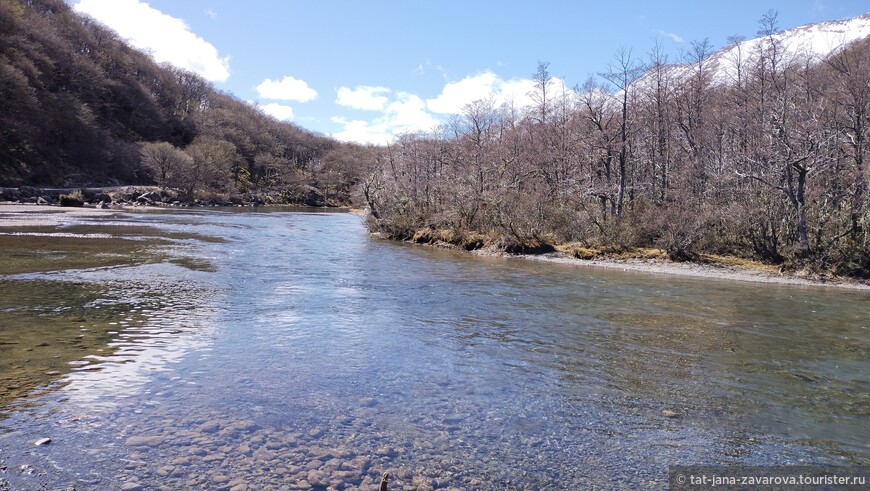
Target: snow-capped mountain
x,y
814,41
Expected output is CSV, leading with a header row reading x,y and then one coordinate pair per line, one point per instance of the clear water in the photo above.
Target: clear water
x,y
304,354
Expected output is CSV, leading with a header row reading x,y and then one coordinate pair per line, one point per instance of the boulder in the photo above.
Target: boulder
x,y
70,200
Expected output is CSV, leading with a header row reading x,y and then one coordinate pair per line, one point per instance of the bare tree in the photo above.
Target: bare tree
x,y
851,66
166,162
541,94
621,72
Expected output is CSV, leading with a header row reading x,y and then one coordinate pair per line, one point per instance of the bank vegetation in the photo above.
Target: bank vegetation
x,y
768,164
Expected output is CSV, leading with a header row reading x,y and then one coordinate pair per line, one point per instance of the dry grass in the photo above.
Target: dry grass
x,y
451,238
738,262
583,251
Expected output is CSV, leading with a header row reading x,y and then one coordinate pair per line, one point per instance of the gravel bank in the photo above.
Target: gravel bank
x,y
696,270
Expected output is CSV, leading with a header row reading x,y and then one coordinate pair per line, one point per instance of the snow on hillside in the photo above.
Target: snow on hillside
x,y
816,41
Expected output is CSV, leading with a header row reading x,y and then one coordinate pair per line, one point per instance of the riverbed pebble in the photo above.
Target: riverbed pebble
x,y
144,440
209,427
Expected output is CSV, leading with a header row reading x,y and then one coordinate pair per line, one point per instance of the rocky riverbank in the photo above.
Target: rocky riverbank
x,y
120,196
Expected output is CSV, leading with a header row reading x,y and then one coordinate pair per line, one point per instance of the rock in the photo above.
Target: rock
x,y
264,455
41,201
315,433
320,453
209,427
104,197
317,478
9,194
71,201
132,486
145,199
239,481
134,464
215,457
385,451
368,402
361,463
180,461
42,441
332,465
244,425
422,482
144,441
102,205
668,413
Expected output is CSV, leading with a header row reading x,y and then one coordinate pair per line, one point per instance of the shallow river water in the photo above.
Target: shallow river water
x,y
296,353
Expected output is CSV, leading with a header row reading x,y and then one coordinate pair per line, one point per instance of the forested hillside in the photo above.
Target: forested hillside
x,y
770,164
78,107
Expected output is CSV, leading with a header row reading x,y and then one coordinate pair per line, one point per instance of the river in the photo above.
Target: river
x,y
288,350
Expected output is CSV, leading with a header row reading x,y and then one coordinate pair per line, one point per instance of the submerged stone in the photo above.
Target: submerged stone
x,y
144,441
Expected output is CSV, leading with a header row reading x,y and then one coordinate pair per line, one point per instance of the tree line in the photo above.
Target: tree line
x,y
78,106
768,164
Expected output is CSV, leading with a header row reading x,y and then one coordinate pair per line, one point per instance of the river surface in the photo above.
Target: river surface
x,y
288,350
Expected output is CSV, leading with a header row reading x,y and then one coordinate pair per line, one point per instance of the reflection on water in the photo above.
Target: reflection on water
x,y
308,356
45,333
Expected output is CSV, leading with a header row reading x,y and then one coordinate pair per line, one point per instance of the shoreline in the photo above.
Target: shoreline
x,y
652,266
661,267
689,269
49,214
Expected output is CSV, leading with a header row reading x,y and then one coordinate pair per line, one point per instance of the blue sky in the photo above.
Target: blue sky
x,y
368,70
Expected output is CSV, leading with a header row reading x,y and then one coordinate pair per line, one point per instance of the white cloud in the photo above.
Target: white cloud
x,y
363,97
517,91
455,95
406,113
211,14
278,111
167,38
286,89
402,112
674,37
364,132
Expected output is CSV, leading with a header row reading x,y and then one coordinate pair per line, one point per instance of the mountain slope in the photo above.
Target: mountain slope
x,y
810,43
78,106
